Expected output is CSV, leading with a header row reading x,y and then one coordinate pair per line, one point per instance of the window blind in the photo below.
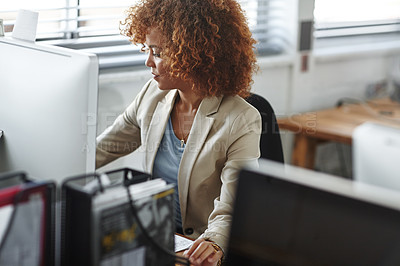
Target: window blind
x,y
93,26
268,21
68,19
342,18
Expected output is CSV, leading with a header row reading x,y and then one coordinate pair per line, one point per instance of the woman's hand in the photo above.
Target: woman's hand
x,y
202,253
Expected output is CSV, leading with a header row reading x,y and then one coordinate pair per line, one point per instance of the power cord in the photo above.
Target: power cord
x,y
178,259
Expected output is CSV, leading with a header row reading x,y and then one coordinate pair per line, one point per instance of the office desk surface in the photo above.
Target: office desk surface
x,y
335,124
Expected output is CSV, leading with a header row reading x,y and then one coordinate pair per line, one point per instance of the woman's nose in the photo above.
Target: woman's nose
x,y
149,60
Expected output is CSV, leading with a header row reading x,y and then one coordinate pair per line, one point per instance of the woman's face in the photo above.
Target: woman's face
x,y
156,62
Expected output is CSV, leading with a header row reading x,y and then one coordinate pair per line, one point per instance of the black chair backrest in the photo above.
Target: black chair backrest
x,y
270,141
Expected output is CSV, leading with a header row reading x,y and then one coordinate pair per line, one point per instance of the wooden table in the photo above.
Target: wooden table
x,y
335,124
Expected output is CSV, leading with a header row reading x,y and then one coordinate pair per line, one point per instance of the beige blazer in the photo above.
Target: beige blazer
x,y
224,137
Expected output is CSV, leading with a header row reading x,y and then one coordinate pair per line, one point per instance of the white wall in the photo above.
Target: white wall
x,y
346,73
116,91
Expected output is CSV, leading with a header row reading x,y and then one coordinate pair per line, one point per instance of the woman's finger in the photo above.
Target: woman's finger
x,y
193,247
203,252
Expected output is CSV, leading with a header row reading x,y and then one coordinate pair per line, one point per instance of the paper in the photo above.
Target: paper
x,y
23,245
5,214
26,25
182,243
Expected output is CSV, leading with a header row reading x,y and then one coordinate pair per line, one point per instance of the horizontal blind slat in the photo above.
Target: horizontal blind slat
x,y
65,8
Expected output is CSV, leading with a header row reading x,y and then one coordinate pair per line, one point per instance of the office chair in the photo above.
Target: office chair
x,y
270,141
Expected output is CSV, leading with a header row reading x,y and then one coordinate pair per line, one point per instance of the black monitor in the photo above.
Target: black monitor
x,y
284,215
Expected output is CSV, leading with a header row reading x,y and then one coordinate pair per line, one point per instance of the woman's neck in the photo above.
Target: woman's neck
x,y
184,112
188,101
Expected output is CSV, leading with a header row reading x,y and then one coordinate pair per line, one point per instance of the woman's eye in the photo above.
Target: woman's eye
x,y
156,52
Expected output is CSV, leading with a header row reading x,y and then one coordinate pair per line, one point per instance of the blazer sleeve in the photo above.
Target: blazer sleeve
x,y
244,149
123,136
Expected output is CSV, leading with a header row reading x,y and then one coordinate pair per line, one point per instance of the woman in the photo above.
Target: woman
x,y
191,120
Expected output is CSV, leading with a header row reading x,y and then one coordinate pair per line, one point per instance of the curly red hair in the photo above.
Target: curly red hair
x,y
207,42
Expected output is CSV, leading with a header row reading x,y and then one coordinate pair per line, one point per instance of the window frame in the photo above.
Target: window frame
x,y
343,33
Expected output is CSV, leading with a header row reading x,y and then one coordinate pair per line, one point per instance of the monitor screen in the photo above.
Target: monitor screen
x,y
284,215
376,155
48,109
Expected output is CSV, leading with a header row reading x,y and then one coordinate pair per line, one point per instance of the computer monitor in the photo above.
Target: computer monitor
x,y
376,155
48,109
284,215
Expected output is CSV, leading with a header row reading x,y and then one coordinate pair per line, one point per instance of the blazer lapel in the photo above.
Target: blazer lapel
x,y
201,126
157,128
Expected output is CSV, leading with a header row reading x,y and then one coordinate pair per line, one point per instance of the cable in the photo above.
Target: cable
x,y
177,259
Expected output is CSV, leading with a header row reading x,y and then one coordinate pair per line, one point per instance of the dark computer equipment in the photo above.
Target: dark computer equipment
x,y
284,215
